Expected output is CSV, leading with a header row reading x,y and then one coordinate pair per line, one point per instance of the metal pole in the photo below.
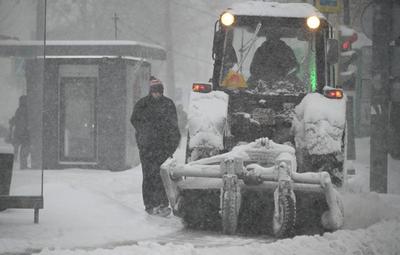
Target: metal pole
x,y
43,81
346,12
39,19
380,95
115,18
170,68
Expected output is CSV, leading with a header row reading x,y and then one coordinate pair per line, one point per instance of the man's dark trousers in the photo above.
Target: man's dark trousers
x,y
152,187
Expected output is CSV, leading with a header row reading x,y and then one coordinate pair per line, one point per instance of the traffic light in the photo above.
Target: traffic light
x,y
347,57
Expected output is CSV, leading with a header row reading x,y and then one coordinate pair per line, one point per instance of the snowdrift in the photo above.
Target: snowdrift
x,y
318,124
205,129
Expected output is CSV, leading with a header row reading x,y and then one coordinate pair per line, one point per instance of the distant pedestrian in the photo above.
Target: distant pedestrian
x,y
154,118
19,133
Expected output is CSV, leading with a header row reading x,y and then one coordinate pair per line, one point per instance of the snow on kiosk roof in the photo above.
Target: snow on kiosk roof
x,y
84,48
273,9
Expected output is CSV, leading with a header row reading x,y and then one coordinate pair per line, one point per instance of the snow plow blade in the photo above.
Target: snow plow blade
x,y
229,190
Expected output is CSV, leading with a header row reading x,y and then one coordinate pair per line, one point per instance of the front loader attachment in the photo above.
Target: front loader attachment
x,y
228,191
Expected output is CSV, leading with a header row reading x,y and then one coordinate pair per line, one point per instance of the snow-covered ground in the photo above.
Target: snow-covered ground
x,y
101,212
84,208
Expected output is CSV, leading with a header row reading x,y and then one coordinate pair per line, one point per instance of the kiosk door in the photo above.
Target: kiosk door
x,y
78,125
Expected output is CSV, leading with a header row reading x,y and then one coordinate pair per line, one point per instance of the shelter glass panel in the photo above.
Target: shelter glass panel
x,y
21,97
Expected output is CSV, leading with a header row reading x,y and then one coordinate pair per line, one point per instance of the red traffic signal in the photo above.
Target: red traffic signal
x,y
346,44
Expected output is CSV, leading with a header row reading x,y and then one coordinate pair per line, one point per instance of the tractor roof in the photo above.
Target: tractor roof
x,y
273,9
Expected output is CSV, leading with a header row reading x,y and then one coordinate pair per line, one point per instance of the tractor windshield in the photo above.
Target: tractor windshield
x,y
269,60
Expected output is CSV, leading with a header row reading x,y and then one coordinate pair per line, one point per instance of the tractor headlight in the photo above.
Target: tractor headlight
x,y
227,19
313,22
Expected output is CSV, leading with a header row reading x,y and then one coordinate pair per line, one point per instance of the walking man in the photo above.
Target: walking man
x,y
157,135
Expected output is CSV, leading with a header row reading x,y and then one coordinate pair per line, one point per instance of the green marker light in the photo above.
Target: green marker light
x,y
313,74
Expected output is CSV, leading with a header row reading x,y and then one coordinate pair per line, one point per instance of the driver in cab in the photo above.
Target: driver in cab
x,y
273,60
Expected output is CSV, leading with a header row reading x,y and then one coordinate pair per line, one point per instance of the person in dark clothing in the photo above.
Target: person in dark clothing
x,y
19,133
155,120
273,60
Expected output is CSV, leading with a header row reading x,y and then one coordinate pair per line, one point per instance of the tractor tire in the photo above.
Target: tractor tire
x,y
256,212
230,212
309,209
200,209
284,225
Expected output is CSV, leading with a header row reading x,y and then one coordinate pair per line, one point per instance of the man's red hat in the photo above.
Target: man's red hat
x,y
156,85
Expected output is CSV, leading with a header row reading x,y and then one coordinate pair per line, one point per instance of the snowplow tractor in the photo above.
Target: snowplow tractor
x,y
265,143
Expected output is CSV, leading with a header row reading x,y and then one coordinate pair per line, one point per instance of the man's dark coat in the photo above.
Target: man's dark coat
x,y
156,124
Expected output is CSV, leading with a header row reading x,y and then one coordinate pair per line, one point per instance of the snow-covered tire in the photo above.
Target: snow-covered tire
x,y
309,209
230,212
284,225
200,209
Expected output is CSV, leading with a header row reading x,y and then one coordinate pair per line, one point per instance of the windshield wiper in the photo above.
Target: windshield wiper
x,y
253,40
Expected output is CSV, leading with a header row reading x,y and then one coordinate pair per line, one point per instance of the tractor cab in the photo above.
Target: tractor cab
x,y
267,57
273,49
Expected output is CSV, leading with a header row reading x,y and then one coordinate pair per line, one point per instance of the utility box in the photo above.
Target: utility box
x,y
363,93
6,167
395,63
394,140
